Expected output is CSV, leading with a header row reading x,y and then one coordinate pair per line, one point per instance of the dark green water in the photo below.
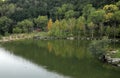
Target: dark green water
x,y
52,59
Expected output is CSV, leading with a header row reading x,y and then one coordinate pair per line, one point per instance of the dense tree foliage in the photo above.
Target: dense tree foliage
x,y
41,22
23,26
51,8
93,22
5,25
88,18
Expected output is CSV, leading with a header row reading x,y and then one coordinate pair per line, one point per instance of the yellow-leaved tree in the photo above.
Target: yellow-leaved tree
x,y
49,26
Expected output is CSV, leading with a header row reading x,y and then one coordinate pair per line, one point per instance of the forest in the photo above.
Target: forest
x,y
61,18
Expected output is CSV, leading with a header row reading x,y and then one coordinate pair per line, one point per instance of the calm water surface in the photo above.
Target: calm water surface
x,y
52,59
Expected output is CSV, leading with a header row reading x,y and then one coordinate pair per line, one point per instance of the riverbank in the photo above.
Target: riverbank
x,y
70,38
16,37
111,57
45,36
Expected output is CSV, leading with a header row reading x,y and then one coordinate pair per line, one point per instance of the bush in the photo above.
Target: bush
x,y
1,36
17,30
7,34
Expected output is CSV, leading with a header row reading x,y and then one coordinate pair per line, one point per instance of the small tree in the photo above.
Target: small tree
x,y
63,27
80,25
91,26
71,25
49,26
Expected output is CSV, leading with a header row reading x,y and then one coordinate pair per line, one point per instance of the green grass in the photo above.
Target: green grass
x,y
39,33
24,35
117,55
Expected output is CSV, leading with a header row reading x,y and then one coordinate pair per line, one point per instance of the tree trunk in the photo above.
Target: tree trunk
x,y
114,34
101,30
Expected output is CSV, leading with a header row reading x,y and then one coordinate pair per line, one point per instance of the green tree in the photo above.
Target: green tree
x,y
7,9
108,31
41,22
71,26
17,30
87,10
80,26
118,4
116,22
5,25
55,31
91,26
63,27
109,16
25,25
64,9
70,14
98,18
110,8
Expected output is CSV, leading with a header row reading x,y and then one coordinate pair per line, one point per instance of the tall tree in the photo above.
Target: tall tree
x,y
98,18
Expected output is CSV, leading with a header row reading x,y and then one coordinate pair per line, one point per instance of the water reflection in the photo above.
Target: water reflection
x,y
69,58
16,67
76,49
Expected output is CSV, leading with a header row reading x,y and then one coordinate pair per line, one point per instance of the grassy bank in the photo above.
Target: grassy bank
x,y
14,37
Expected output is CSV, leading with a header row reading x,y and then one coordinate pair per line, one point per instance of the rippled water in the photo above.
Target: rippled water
x,y
52,59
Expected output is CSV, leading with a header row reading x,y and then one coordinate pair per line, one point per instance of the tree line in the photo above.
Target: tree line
x,y
92,23
61,17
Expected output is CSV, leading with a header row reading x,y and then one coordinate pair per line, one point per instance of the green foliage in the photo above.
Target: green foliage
x,y
87,10
99,48
1,36
5,24
69,14
91,26
66,10
118,4
110,8
81,23
88,18
7,9
17,30
98,16
41,22
108,30
7,34
25,25
116,16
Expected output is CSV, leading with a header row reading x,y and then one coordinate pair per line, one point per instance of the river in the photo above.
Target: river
x,y
52,59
